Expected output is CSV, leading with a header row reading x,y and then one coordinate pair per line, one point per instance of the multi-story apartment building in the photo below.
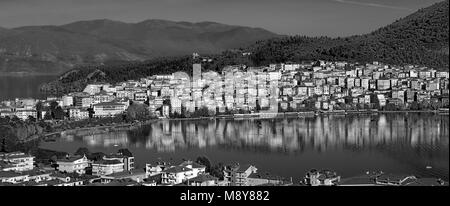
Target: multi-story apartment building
x,y
108,109
236,175
73,164
16,161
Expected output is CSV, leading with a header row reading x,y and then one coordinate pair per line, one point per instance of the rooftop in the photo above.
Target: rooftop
x,y
109,104
243,168
70,159
427,182
108,162
264,175
393,177
203,178
194,164
359,180
176,169
6,174
125,174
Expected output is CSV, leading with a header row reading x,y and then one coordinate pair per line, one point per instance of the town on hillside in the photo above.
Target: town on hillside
x,y
240,91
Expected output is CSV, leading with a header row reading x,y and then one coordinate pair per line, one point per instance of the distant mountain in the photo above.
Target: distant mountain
x,y
420,38
55,49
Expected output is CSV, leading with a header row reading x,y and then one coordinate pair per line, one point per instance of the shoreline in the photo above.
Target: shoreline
x,y
129,126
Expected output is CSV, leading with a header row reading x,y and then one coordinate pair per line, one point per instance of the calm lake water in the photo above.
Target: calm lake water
x,y
393,143
12,87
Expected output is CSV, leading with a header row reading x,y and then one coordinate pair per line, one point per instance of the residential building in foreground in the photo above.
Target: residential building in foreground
x,y
16,161
77,164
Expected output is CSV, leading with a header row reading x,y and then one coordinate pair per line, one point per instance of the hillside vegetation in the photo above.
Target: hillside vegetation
x,y
56,49
420,38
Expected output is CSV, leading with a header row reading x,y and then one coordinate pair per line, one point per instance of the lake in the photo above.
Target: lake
x,y
12,87
349,145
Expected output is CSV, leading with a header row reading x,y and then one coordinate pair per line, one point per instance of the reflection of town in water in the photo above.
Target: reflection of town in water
x,y
290,135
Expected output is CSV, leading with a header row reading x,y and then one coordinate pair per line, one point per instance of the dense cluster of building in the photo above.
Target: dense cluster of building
x,y
18,169
324,86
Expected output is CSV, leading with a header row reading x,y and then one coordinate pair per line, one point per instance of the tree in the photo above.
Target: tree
x,y
137,111
391,107
31,119
59,113
203,160
53,105
97,156
202,112
82,151
91,112
3,145
48,115
217,170
125,152
39,109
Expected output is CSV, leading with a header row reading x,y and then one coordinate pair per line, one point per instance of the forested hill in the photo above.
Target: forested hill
x,y
56,49
420,38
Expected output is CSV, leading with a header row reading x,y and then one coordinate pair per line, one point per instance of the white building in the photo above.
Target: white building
x,y
78,113
16,161
73,164
107,167
108,109
176,175
24,114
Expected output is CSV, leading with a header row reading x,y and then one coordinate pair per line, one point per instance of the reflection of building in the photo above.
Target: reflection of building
x,y
289,135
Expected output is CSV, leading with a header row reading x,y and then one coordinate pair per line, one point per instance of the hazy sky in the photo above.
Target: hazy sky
x,y
305,17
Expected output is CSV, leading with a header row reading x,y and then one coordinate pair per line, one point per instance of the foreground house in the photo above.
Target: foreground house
x,y
127,160
261,178
321,178
12,177
107,167
72,164
16,161
237,175
203,180
15,177
137,175
59,179
394,179
176,175
156,168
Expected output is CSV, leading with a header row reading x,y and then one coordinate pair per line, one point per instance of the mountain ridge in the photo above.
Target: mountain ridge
x,y
420,38
55,49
